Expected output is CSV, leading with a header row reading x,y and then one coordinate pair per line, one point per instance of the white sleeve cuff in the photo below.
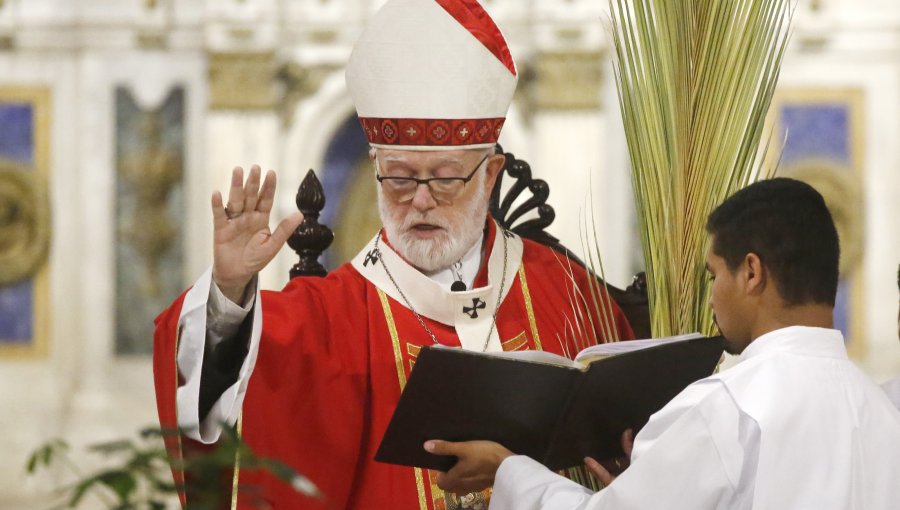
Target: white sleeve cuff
x,y
224,315
191,347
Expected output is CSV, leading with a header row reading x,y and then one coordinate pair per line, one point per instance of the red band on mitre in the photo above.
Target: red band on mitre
x,y
431,132
471,15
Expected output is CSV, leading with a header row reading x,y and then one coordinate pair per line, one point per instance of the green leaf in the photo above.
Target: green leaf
x,y
32,462
110,447
119,481
44,454
80,490
155,432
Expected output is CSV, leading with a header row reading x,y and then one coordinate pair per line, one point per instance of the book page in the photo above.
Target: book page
x,y
532,356
600,351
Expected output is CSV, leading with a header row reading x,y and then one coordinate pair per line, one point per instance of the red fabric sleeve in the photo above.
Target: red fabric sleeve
x,y
166,380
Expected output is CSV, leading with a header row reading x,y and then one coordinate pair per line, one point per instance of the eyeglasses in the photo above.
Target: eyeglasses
x,y
443,189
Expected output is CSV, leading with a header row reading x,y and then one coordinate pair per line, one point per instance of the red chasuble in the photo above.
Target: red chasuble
x,y
334,356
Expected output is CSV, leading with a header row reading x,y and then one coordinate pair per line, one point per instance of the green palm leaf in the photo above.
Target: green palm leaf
x,y
695,81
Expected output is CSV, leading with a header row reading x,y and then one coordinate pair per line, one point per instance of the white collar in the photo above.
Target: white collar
x,y
434,300
799,339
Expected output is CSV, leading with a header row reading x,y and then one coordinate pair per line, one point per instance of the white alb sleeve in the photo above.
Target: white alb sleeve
x,y
524,484
691,455
195,338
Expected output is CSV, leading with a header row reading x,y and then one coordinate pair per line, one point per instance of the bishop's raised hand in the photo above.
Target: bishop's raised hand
x,y
243,244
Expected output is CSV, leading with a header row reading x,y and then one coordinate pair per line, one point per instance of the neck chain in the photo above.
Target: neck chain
x,y
419,317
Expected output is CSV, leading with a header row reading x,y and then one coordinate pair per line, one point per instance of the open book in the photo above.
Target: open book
x,y
555,410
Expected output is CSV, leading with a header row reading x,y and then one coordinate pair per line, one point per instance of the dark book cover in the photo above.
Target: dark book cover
x,y
554,414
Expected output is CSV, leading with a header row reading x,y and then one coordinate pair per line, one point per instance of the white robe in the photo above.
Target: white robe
x,y
794,425
892,388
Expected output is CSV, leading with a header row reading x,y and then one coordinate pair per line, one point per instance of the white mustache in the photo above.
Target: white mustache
x,y
409,223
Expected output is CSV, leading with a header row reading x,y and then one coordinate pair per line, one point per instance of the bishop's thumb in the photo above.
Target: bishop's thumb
x,y
286,228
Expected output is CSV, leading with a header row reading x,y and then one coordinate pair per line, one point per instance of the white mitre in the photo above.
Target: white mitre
x,y
431,75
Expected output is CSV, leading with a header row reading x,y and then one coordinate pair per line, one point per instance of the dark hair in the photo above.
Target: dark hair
x,y
786,223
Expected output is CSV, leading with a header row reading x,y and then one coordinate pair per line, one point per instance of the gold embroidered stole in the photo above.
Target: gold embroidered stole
x,y
441,500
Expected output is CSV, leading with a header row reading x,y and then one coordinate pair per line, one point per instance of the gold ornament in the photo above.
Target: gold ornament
x,y
24,222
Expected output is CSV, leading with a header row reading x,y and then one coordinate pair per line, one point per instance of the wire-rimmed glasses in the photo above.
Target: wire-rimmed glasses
x,y
443,189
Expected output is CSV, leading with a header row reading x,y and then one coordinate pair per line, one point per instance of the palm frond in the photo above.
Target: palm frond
x,y
695,81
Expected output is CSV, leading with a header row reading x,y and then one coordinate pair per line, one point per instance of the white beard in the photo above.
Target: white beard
x,y
461,231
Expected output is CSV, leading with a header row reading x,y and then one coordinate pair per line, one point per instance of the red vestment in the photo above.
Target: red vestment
x,y
334,355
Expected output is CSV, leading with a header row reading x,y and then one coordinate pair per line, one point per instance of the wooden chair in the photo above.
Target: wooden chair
x,y
311,238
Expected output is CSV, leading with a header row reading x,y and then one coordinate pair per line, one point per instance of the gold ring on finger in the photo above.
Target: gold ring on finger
x,y
231,215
